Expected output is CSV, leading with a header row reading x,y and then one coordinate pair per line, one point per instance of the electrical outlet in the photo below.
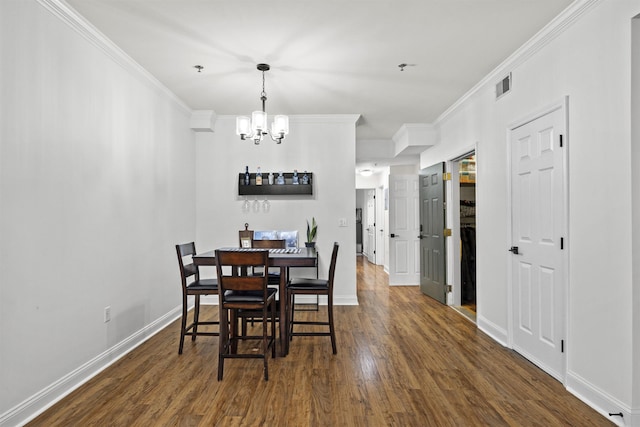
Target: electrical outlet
x,y
107,314
342,222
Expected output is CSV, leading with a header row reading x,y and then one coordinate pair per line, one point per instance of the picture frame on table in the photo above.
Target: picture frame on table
x,y
245,242
290,237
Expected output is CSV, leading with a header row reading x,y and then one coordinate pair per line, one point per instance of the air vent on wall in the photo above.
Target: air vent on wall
x,y
503,86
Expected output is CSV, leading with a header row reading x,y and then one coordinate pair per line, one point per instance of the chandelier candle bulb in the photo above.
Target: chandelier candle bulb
x,y
243,127
280,126
259,120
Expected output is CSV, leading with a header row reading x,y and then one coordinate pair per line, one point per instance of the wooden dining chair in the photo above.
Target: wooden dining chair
x,y
273,280
274,275
238,291
302,286
192,284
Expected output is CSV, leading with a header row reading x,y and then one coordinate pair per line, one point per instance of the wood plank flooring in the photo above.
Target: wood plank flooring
x,y
403,360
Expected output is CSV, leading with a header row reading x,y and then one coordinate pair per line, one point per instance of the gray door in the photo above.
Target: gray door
x,y
432,249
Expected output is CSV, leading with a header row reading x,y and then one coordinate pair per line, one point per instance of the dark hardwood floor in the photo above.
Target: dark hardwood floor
x,y
403,360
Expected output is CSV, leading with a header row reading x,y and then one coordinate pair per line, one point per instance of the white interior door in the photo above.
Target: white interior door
x,y
404,230
538,241
370,226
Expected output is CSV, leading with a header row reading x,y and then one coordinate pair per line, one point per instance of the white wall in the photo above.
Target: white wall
x,y
96,186
323,145
589,61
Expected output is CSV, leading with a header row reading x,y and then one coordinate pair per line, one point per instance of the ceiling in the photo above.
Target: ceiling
x,y
326,56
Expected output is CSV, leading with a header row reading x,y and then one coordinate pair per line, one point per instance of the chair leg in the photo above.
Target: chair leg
x,y
292,301
196,316
223,341
265,344
183,324
233,331
331,328
273,330
244,327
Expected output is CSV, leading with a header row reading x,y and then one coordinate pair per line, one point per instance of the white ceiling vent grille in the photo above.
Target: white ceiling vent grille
x,y
503,86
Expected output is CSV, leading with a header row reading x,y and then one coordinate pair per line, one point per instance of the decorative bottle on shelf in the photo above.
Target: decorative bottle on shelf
x,y
270,178
258,176
295,179
280,180
305,178
247,177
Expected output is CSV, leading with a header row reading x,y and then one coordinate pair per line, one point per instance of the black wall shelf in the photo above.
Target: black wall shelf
x,y
288,188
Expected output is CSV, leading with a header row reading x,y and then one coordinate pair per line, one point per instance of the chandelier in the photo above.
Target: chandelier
x,y
256,127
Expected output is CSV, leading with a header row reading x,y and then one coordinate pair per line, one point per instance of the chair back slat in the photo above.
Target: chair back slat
x,y
187,270
269,244
232,264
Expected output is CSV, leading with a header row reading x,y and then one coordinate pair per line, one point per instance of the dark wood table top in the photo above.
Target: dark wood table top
x,y
302,257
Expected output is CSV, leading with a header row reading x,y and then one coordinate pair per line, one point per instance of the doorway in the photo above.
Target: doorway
x,y
369,225
467,183
463,223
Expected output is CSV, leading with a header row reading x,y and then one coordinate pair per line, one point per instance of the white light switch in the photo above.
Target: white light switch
x,y
342,222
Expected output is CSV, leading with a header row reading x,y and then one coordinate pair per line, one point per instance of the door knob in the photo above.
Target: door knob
x,y
421,237
514,250
393,235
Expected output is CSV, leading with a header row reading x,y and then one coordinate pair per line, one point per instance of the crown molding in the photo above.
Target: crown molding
x,y
77,22
548,33
313,118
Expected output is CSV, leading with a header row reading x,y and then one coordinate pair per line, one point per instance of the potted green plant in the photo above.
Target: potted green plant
x,y
311,233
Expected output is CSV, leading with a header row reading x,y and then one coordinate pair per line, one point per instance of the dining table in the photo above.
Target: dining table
x,y
283,259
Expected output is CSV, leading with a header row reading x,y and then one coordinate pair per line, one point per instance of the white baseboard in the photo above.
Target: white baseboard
x,y
601,401
47,397
493,330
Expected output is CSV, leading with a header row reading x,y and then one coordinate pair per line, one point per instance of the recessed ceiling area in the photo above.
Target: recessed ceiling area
x,y
326,57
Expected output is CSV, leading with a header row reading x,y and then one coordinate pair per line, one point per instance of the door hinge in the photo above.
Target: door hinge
x,y
561,346
561,142
447,232
561,243
449,288
446,176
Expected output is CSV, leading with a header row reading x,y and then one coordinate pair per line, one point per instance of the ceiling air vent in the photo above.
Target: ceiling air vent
x,y
503,86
